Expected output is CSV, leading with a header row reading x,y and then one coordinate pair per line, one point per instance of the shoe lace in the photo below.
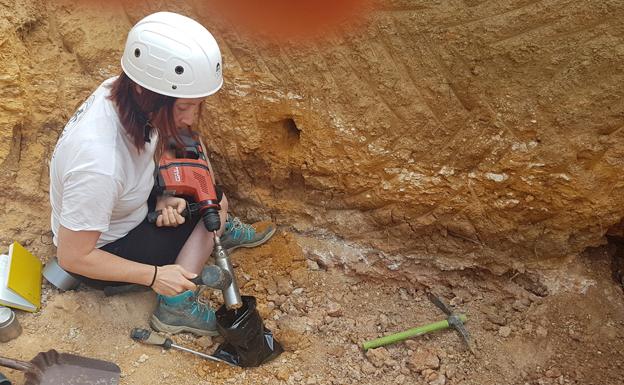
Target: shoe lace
x,y
200,307
244,228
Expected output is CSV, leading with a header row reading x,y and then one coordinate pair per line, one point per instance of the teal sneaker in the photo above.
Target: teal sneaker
x,y
238,234
184,313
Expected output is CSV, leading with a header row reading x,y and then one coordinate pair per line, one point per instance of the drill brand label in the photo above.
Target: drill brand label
x,y
176,174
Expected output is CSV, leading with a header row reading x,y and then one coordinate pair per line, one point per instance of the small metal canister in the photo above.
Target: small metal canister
x,y
55,274
9,327
4,380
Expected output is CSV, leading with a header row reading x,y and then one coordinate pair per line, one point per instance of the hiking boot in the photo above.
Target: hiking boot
x,y
238,234
183,313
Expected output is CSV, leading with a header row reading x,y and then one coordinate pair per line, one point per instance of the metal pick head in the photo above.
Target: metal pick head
x,y
440,304
455,322
453,319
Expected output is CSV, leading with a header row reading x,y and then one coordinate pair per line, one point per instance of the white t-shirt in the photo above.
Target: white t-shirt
x,y
98,179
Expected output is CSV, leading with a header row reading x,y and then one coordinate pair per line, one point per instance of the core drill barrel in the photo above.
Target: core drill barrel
x,y
231,294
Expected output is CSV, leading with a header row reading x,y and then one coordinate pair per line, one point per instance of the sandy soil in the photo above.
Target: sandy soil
x,y
471,133
571,336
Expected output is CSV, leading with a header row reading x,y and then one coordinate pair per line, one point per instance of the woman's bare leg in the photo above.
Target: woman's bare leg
x,y
199,245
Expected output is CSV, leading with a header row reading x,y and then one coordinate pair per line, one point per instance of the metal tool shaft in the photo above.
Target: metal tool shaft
x,y
231,294
147,337
207,356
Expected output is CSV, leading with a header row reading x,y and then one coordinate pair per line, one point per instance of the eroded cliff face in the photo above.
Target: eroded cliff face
x,y
458,134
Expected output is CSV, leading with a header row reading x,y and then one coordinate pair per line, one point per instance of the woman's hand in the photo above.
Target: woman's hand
x,y
172,280
171,210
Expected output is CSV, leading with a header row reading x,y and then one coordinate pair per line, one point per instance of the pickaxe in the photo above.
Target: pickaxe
x,y
454,320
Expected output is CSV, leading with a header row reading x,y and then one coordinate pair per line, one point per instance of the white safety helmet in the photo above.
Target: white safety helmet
x,y
173,55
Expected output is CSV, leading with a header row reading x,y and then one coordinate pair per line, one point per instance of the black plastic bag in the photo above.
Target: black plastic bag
x,y
4,380
247,342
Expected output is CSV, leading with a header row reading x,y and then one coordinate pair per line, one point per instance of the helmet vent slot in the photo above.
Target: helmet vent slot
x,y
137,52
179,70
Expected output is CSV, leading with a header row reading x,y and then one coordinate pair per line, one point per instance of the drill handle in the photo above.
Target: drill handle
x,y
152,216
147,337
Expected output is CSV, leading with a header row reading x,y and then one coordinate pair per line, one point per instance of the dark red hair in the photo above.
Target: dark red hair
x,y
140,112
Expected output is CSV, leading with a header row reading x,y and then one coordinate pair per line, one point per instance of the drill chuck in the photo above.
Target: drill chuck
x,y
211,219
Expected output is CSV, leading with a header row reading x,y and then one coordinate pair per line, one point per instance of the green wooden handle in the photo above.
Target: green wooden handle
x,y
402,336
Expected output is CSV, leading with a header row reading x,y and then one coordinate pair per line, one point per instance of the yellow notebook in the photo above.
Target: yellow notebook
x,y
20,279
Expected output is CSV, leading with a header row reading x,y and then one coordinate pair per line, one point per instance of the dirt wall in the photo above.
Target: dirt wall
x,y
471,133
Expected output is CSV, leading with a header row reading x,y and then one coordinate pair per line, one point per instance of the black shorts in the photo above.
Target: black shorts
x,y
149,244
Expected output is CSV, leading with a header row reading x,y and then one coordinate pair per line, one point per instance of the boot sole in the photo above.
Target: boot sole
x,y
162,327
254,244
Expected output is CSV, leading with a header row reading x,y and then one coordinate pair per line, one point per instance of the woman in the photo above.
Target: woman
x,y
101,174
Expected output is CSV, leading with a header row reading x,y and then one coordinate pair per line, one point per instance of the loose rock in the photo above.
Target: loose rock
x,y
504,331
541,332
334,309
423,359
378,356
205,342
312,265
283,286
143,358
553,373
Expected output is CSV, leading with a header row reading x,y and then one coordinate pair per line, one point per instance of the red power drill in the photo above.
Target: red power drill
x,y
184,171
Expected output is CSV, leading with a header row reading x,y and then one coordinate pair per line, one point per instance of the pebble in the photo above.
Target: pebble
x,y
553,373
436,379
143,358
497,319
283,286
541,332
422,360
378,357
355,374
294,324
412,344
73,333
279,300
271,287
282,374
576,336
489,326
334,309
450,371
383,321
300,277
205,342
312,265
367,368
504,331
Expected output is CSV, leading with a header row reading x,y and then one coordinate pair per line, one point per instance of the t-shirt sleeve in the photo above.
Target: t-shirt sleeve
x,y
88,201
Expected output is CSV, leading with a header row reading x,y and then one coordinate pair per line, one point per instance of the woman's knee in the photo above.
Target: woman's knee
x,y
224,203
